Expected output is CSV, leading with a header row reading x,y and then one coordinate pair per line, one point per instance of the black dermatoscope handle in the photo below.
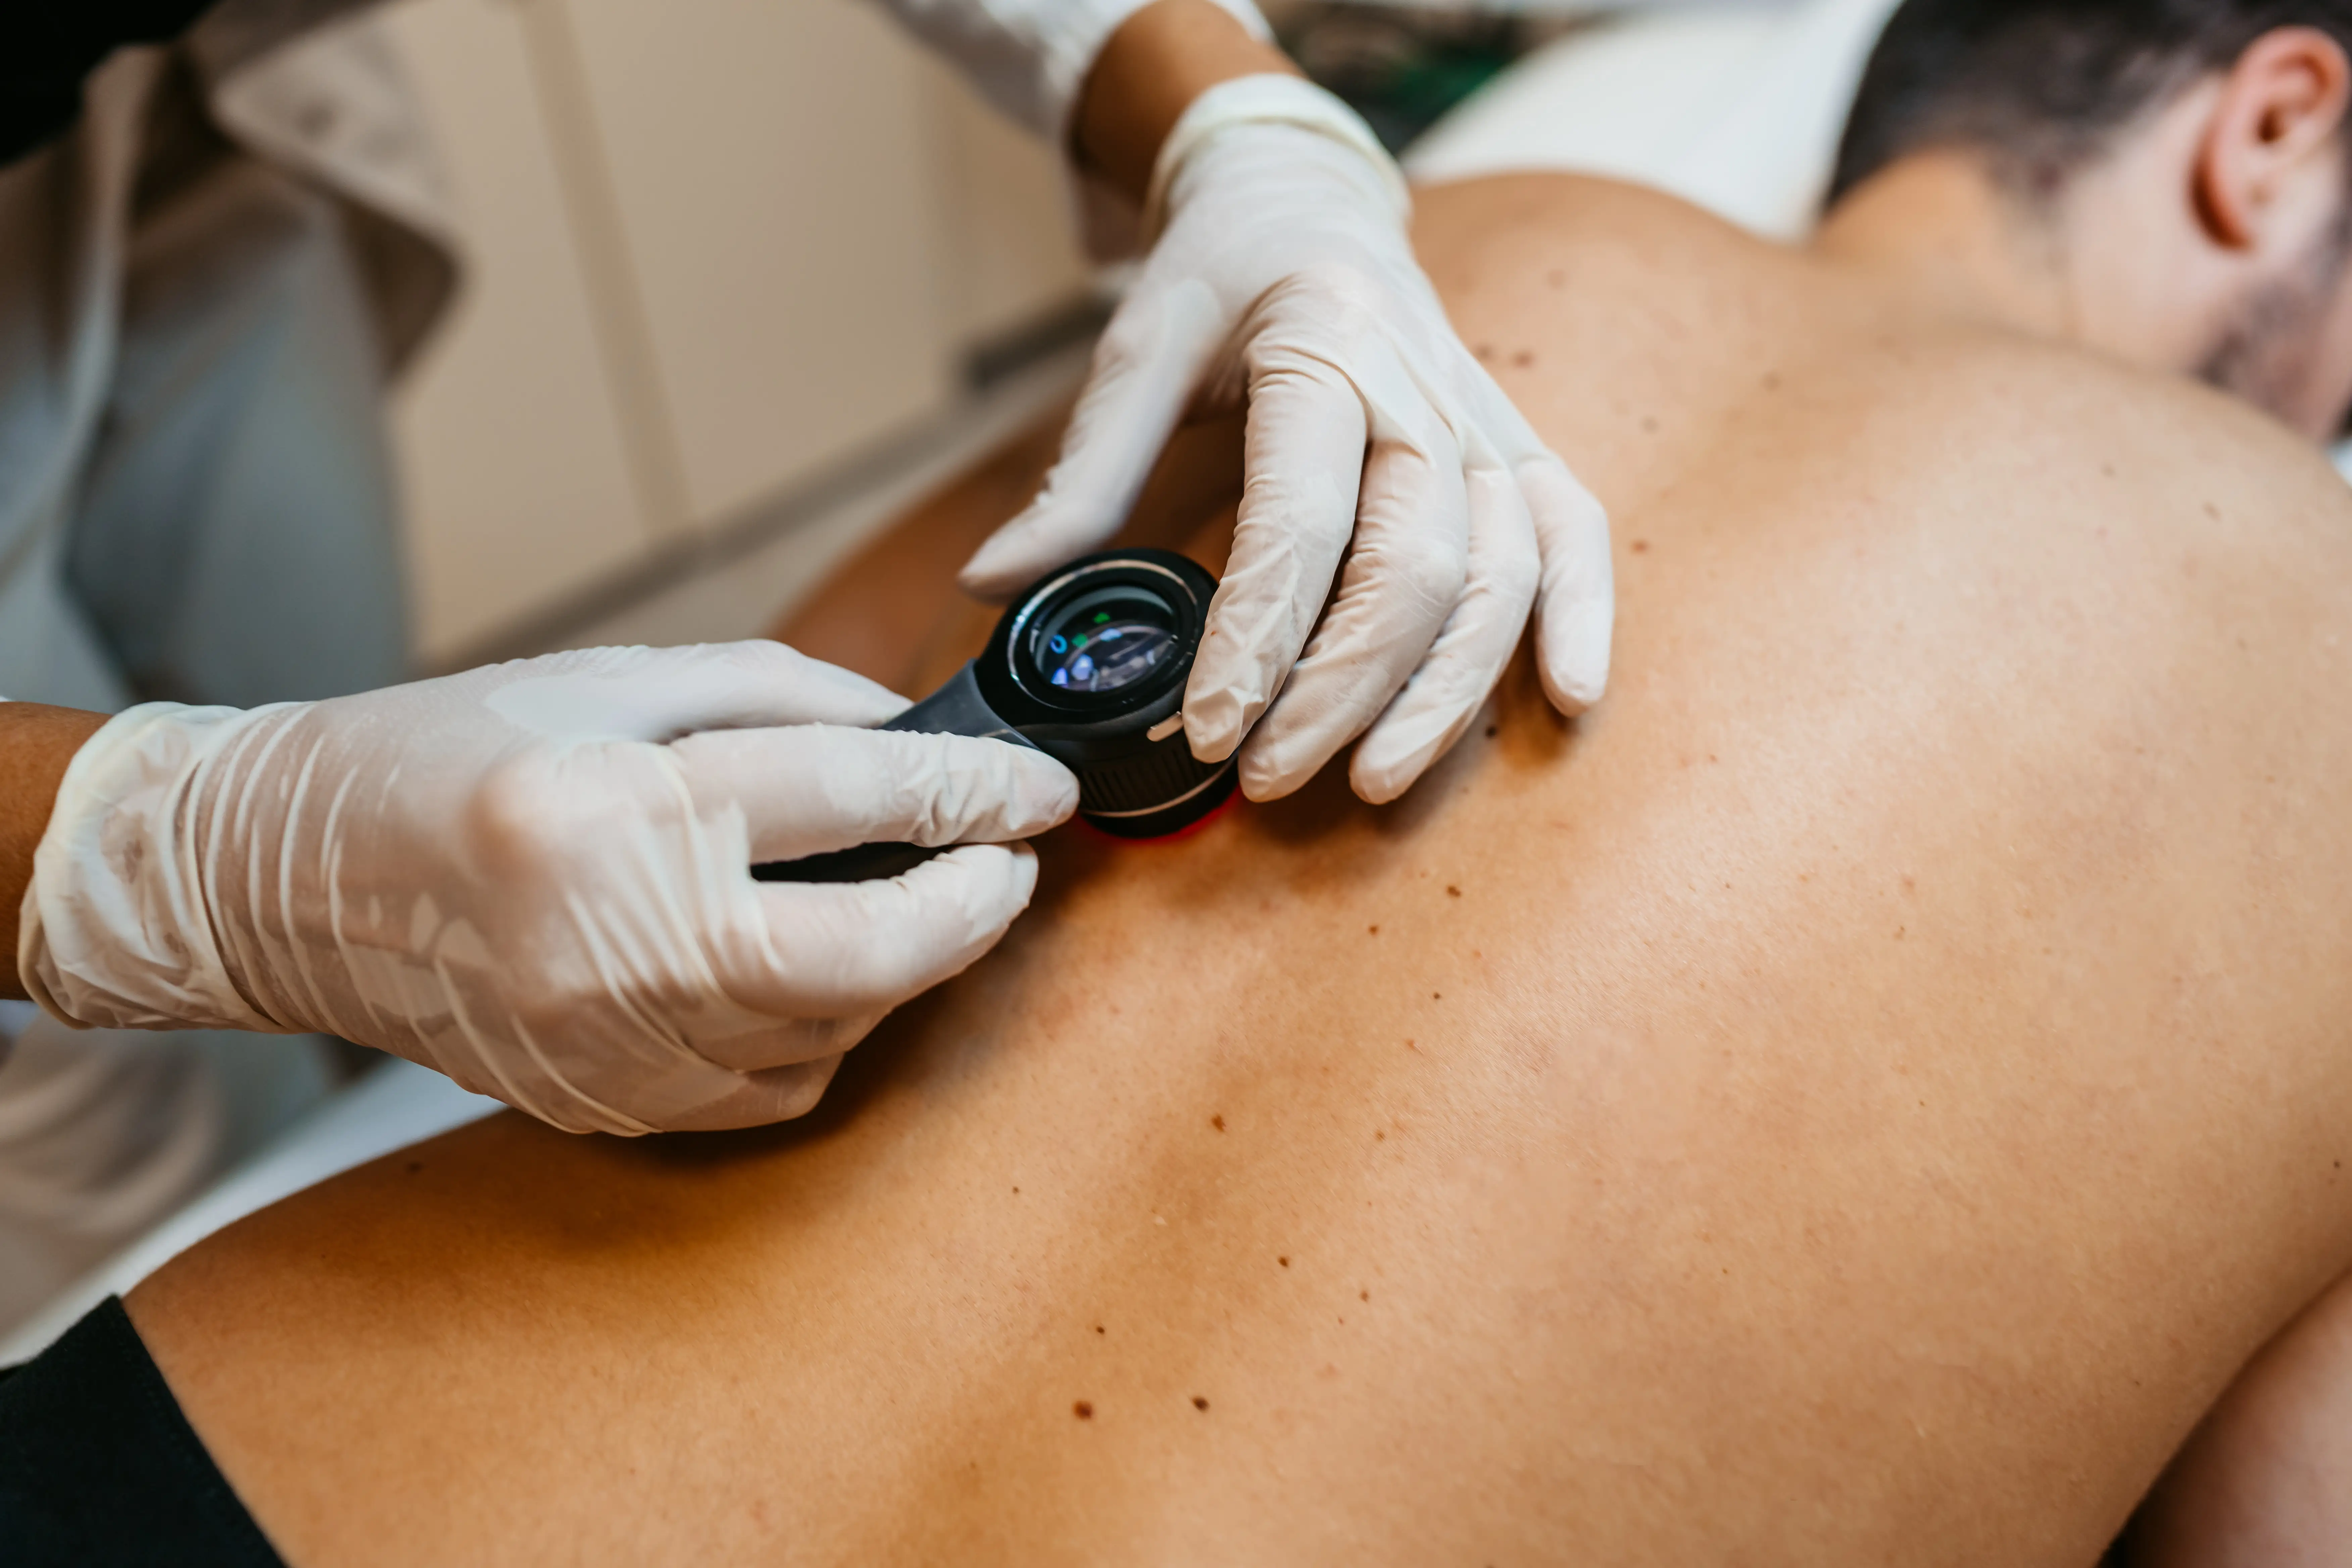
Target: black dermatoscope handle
x,y
1048,681
955,708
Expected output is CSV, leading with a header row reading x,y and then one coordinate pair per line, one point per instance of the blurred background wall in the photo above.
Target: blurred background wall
x,y
718,252
744,277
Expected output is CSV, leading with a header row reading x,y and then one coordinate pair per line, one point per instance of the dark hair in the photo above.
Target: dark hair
x,y
2040,86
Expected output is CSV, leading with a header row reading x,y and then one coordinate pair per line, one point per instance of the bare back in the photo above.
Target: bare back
x,y
1855,1097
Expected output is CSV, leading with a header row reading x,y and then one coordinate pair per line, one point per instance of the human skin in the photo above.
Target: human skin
x,y
37,743
1857,1097
2261,1482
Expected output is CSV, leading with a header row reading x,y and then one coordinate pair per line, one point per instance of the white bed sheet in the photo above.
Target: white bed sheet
x,y
1736,106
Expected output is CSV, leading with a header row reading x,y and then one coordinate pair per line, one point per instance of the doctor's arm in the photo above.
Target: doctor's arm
x,y
36,743
535,877
1381,459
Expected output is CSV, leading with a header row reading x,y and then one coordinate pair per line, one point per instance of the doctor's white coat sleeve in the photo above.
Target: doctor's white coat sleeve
x,y
1031,57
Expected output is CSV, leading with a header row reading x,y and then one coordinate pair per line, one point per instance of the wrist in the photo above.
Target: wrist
x,y
1260,102
1152,68
37,743
118,929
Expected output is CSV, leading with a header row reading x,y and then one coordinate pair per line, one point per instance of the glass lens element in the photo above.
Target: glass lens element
x,y
1105,657
1104,640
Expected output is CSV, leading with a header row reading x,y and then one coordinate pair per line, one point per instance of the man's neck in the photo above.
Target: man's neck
x,y
1936,228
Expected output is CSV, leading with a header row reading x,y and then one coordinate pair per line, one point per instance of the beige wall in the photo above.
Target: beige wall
x,y
715,245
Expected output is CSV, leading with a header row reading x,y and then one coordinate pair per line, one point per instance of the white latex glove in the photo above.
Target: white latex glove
x,y
536,876
1377,450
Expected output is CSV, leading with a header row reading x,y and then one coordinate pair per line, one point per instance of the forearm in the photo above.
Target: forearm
x,y
36,743
1156,64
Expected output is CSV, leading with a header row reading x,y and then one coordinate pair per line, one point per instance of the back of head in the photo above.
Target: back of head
x,y
2182,164
2040,86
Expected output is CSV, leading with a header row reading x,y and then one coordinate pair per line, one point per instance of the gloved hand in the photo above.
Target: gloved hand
x,y
1283,269
536,876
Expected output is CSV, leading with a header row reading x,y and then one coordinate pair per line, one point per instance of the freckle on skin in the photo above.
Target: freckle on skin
x,y
1218,1122
1363,1295
1641,547
1378,1136
1084,1410
1452,891
1648,425
1373,929
1521,360
415,1166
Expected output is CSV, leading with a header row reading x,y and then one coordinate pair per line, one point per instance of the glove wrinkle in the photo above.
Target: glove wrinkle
x,y
536,891
1280,246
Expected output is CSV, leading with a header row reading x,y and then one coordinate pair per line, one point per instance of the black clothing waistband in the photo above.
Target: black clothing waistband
x,y
99,1466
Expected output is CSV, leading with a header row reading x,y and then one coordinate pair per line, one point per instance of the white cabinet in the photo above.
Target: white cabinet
x,y
515,486
716,247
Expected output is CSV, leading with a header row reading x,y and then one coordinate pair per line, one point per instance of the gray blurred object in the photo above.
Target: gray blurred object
x,y
105,1132
206,288
1402,67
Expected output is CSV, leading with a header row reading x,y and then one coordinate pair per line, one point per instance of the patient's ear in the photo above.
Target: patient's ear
x,y
2271,162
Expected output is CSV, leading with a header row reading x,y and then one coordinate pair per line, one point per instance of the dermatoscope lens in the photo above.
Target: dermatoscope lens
x,y
1104,640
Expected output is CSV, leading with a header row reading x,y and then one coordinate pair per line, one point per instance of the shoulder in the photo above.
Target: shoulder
x,y
1506,221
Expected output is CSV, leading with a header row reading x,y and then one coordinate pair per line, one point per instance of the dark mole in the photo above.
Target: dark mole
x,y
1521,360
1198,1403
1084,1410
1100,1329
1016,1192
1284,1261
1452,891
415,1166
1641,547
1218,1122
1373,929
1492,730
1437,995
